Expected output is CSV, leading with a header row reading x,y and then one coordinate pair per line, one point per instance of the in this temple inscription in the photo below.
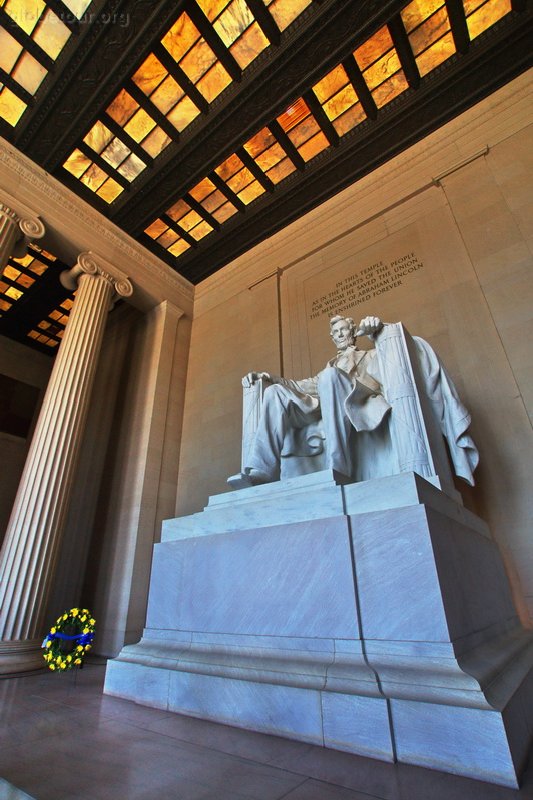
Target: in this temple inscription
x,y
366,284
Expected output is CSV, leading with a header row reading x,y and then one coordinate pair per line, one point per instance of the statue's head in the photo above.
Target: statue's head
x,y
342,331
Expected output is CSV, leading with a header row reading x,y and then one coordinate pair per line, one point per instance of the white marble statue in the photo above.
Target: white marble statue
x,y
376,415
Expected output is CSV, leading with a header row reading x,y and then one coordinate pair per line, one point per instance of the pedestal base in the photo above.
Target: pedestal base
x,y
373,618
17,657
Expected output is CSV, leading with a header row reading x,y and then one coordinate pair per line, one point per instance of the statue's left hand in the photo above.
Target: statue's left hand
x,y
369,326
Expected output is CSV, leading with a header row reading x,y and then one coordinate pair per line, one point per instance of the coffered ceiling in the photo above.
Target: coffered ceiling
x,y
202,126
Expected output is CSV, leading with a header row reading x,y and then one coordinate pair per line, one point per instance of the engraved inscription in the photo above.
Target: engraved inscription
x,y
366,284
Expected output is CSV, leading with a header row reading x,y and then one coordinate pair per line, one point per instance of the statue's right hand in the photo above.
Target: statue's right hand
x,y
253,377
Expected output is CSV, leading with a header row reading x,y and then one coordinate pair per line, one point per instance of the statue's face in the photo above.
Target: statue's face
x,y
341,333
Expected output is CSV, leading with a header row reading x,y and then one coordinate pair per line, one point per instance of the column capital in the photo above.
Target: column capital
x,y
30,227
90,264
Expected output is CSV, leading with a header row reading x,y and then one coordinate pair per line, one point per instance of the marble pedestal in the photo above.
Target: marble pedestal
x,y
373,618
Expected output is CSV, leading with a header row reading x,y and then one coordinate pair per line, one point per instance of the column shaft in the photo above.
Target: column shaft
x,y
31,545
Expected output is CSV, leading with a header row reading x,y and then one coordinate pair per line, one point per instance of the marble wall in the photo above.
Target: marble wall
x,y
439,238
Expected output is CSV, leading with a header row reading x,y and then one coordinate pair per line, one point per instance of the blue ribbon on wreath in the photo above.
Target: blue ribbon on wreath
x,y
82,638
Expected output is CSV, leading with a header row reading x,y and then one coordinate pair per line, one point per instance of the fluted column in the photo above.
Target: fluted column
x,y
15,233
31,545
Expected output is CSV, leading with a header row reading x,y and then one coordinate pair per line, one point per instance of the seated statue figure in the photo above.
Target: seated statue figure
x,y
369,423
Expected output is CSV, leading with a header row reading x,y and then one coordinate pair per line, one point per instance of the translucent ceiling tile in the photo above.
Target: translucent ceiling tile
x,y
11,107
77,7
181,37
341,102
312,147
156,228
98,137
416,12
372,50
11,273
93,177
481,16
233,21
122,108
10,50
214,201
349,119
390,89
26,13
260,142
178,210
188,221
201,230
249,45
229,167
212,8
13,293
116,153
429,31
286,11
213,82
132,167
331,83
179,247
224,212
271,157
155,142
251,192
77,163
240,180
167,238
197,61
25,281
302,132
4,305
139,125
384,68
435,54
109,190
183,114
294,114
167,95
52,34
202,189
150,74
29,73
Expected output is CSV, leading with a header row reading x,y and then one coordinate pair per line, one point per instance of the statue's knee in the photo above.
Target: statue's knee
x,y
272,394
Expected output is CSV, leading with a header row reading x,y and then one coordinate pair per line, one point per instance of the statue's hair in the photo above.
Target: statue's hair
x,y
340,318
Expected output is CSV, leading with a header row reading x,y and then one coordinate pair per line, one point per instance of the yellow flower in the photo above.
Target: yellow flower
x,y
49,643
69,658
52,666
91,621
79,648
83,618
87,647
74,612
85,630
64,617
77,660
52,630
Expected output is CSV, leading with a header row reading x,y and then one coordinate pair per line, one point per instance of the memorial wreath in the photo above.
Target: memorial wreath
x,y
69,640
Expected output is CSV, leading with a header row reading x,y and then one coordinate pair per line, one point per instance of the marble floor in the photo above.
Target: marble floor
x,y
62,739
